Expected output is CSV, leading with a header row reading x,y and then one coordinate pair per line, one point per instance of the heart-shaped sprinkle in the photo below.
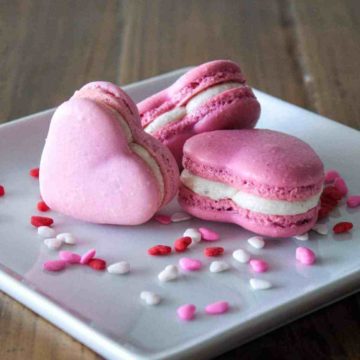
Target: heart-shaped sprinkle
x,y
180,216
260,284
121,268
305,255
170,273
87,256
219,307
353,201
54,265
182,243
257,242
321,229
53,243
213,251
189,264
194,235
340,185
46,232
218,266
331,175
70,257
41,206
302,237
208,234
186,312
37,221
241,256
159,250
259,265
97,264
150,298
67,238
34,172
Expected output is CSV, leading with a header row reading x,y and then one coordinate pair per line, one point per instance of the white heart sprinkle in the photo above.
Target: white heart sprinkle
x,y
218,266
257,242
121,267
241,255
259,284
303,237
194,234
46,231
171,272
53,243
321,229
180,216
67,238
150,298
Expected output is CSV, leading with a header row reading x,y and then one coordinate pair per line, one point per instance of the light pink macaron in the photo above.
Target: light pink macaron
x,y
209,97
98,165
265,181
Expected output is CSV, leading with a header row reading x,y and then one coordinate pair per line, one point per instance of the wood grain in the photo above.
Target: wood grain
x,y
306,52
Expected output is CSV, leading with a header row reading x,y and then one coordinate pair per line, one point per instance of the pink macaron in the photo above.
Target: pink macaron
x,y
209,97
265,181
98,164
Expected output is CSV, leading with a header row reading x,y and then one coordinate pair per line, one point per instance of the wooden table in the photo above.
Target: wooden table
x,y
306,52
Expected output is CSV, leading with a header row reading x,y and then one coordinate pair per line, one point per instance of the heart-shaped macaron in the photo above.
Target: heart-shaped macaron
x,y
98,164
209,97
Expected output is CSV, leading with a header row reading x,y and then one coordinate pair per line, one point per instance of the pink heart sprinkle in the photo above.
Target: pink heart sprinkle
x,y
54,265
305,255
87,256
259,265
353,201
340,185
208,234
218,307
188,264
186,312
331,175
70,257
162,219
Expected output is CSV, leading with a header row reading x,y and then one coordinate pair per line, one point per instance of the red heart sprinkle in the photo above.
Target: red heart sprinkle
x,y
34,172
97,264
41,206
41,221
342,227
159,250
2,191
182,243
213,251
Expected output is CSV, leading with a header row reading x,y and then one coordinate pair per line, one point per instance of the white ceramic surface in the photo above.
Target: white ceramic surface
x,y
105,312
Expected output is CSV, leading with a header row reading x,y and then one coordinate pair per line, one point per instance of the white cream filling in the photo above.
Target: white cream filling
x,y
217,191
194,103
143,154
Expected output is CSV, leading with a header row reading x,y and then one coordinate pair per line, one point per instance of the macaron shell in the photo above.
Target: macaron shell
x,y
89,172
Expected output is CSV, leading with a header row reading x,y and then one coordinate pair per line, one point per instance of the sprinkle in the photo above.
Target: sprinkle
x,y
34,172
259,265
150,298
162,219
41,206
87,256
186,312
331,175
97,264
170,273
180,216
241,256
189,264
159,250
332,192
182,243
219,307
194,234
208,234
353,201
260,284
342,227
41,221
213,251
257,242
218,266
341,186
321,229
2,190
46,232
302,237
70,257
54,265
67,238
121,268
305,255
53,243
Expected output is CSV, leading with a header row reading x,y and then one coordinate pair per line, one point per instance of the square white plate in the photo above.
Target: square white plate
x,y
104,311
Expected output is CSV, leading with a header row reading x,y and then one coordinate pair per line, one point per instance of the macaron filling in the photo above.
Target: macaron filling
x,y
219,191
191,106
